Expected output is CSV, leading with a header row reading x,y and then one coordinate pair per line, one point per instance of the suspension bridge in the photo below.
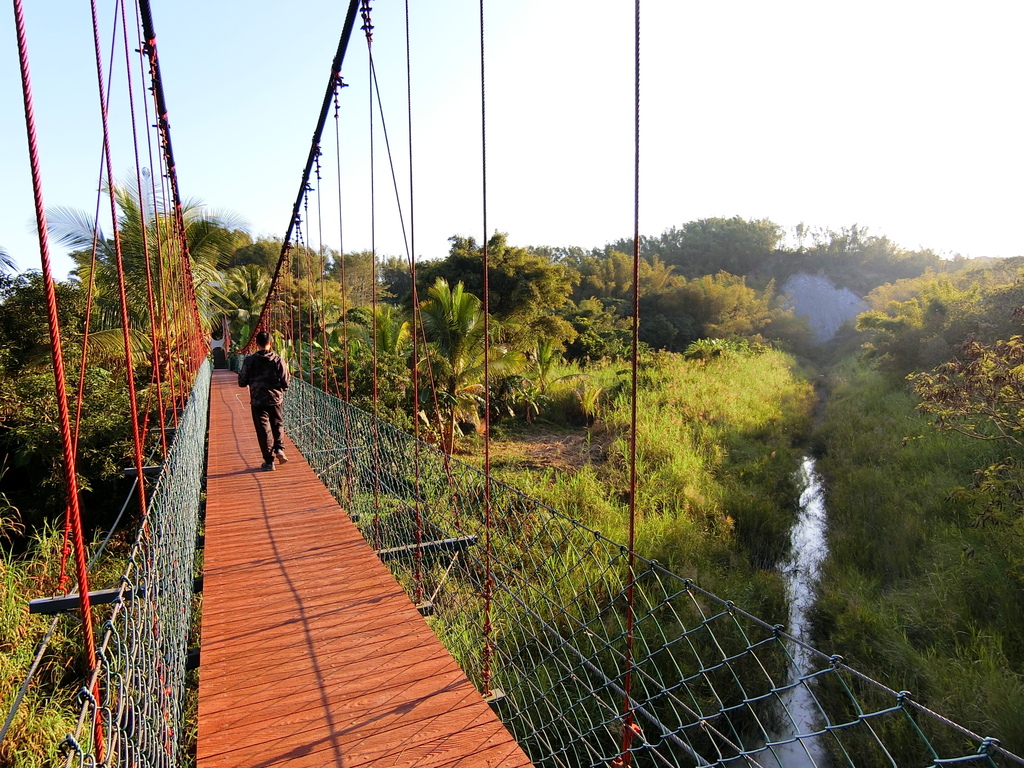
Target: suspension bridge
x,y
377,602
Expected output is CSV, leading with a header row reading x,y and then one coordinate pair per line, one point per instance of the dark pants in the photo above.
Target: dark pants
x,y
267,419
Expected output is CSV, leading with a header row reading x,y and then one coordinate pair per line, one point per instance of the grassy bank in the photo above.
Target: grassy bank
x,y
718,443
918,591
49,710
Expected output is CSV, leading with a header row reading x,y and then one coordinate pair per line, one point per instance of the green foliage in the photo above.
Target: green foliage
x,y
355,271
24,329
723,306
915,592
30,446
30,440
853,258
146,249
707,246
263,254
48,713
917,324
238,295
706,349
526,289
980,393
600,332
715,466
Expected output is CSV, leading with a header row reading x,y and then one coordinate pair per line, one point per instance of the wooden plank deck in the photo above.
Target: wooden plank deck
x,y
312,655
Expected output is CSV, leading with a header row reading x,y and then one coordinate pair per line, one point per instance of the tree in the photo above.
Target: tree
x,y
980,394
526,289
263,253
395,277
600,331
853,258
708,246
453,323
209,236
360,282
238,294
719,306
6,262
31,453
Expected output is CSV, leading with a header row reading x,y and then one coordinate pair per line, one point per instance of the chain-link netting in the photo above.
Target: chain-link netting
x,y
132,713
710,683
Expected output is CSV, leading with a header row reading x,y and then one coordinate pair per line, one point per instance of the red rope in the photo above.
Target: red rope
x,y
195,346
154,330
73,511
121,284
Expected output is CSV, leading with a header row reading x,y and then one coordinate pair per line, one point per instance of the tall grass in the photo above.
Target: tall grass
x,y
915,592
717,443
49,711
45,716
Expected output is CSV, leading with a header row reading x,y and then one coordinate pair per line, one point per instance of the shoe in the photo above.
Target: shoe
x,y
267,466
281,458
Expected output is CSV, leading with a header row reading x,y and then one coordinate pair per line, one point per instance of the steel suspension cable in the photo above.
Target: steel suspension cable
x,y
488,573
322,269
339,57
414,314
168,398
629,724
198,347
338,85
87,329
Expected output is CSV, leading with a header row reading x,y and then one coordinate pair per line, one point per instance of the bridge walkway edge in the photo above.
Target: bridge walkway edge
x,y
311,653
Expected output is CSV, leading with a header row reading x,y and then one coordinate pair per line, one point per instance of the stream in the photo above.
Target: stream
x,y
808,549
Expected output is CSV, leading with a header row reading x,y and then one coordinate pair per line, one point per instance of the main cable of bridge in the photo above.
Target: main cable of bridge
x,y
314,150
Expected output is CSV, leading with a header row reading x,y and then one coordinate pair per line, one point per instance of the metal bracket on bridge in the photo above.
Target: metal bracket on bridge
x,y
495,697
460,544
152,471
49,606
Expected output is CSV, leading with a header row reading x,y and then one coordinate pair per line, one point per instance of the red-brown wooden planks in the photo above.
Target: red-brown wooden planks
x,y
312,655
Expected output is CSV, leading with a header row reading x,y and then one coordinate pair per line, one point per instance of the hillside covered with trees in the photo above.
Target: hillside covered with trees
x,y
914,410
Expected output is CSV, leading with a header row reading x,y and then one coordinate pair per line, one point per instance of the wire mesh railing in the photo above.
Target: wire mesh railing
x,y
132,713
534,611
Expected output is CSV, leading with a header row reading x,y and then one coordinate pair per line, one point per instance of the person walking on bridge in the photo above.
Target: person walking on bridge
x,y
266,376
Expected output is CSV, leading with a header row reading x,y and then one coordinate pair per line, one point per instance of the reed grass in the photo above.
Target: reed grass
x,y
916,592
718,442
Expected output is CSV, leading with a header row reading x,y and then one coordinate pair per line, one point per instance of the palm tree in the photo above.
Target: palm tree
x,y
6,262
238,295
393,334
208,235
453,324
150,255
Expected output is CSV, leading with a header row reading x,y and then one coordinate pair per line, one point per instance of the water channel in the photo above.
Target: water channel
x,y
798,711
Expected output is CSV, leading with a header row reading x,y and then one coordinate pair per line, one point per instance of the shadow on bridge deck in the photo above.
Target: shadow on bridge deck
x,y
312,655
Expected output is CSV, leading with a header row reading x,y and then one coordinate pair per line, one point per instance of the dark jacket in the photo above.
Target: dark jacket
x,y
266,377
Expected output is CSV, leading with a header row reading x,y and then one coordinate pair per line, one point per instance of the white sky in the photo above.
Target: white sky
x,y
902,116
